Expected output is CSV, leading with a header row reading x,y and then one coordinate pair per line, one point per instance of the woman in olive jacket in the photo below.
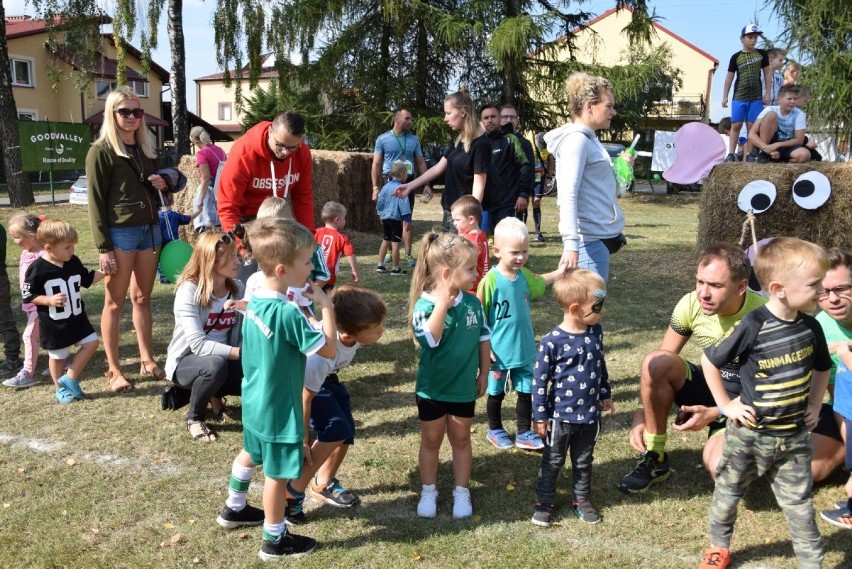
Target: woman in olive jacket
x,y
123,206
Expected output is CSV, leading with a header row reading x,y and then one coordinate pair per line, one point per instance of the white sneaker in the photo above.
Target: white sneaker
x,y
21,381
462,506
428,505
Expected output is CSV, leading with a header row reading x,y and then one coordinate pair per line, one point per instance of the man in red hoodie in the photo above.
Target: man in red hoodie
x,y
271,159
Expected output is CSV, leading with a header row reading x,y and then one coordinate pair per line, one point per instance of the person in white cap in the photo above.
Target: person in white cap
x,y
747,65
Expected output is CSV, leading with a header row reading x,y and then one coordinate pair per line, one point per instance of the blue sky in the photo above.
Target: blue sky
x,y
712,26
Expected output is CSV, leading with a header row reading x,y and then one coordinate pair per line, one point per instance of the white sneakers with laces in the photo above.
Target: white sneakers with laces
x,y
428,505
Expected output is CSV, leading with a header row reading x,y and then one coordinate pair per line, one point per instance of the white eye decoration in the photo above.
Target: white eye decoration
x,y
811,190
757,196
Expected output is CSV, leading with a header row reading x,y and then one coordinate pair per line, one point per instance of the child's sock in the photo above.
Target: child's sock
x,y
238,486
293,494
273,532
656,443
523,410
494,411
537,219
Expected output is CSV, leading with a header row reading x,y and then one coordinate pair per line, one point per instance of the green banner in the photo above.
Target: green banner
x,y
47,145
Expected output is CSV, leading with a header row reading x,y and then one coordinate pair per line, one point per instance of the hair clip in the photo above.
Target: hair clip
x,y
450,243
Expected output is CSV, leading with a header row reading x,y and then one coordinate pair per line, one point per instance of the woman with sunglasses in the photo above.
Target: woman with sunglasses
x,y
590,219
123,205
204,354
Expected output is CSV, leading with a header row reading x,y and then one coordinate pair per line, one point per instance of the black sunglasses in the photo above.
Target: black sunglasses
x,y
596,307
127,113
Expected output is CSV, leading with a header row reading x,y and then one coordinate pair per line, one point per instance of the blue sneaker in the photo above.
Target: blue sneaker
x,y
72,386
64,396
529,441
499,438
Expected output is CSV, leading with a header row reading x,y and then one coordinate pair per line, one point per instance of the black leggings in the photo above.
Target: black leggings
x,y
206,377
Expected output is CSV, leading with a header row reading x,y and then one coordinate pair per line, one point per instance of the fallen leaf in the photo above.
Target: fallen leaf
x,y
243,535
473,430
510,487
196,560
477,518
159,459
190,521
162,544
21,470
96,530
168,525
767,541
150,415
64,513
71,461
176,538
415,555
6,504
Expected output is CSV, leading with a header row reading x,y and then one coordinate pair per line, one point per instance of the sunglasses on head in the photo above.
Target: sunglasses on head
x,y
127,113
596,307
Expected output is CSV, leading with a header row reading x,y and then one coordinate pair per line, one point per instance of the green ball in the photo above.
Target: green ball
x,y
174,258
657,177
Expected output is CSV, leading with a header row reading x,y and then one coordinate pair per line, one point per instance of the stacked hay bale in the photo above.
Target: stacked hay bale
x,y
719,218
338,176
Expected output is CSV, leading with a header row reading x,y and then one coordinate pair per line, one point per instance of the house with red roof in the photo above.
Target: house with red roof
x,y
37,99
603,42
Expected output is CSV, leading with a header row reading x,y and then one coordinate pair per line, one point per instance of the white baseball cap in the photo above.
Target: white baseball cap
x,y
751,29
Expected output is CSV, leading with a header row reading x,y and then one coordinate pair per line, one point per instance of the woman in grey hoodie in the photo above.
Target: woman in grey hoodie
x,y
587,197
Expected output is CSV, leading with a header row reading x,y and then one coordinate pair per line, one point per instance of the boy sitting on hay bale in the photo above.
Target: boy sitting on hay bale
x,y
778,133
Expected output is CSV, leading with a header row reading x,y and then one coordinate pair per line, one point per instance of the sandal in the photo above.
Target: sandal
x,y
151,368
117,382
206,434
223,412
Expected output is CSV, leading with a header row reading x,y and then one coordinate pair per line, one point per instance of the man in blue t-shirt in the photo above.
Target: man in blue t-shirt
x,y
399,144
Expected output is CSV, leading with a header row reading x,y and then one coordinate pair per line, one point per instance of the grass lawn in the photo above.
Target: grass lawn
x,y
116,482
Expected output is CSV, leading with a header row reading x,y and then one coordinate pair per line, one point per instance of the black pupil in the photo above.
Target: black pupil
x,y
804,188
760,202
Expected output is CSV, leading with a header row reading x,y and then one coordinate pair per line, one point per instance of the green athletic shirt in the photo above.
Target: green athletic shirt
x,y
834,332
448,367
506,304
777,359
277,338
688,320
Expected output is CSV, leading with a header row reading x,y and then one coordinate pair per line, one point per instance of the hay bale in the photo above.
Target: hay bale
x,y
719,218
338,176
345,177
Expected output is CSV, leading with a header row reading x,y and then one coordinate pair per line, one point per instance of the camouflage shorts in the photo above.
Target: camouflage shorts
x,y
786,463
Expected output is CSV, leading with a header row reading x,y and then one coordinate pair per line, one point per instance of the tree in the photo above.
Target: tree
x,y
20,190
177,79
820,31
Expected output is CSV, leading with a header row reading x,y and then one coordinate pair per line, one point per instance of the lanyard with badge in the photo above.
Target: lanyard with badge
x,y
409,167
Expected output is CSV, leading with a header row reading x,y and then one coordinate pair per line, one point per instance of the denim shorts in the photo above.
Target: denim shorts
x,y
138,238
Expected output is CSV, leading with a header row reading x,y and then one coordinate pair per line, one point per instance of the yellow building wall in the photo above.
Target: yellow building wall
x,y
67,103
210,93
604,43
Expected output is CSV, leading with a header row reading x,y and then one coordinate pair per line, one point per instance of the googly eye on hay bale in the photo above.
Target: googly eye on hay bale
x,y
813,201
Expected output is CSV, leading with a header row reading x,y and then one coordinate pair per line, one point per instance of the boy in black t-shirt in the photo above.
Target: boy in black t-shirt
x,y
53,284
784,364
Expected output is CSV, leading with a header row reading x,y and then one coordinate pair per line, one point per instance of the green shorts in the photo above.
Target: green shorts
x,y
280,460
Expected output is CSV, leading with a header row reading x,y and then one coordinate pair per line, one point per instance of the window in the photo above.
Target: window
x,y
27,115
103,88
225,111
22,72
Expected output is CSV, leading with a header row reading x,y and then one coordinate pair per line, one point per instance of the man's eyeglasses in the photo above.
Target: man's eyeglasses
x,y
838,291
596,307
508,116
280,146
127,113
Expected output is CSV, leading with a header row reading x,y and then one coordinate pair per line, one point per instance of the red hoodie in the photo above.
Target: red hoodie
x,y
247,179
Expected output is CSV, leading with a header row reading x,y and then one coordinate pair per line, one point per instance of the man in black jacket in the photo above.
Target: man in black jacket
x,y
511,171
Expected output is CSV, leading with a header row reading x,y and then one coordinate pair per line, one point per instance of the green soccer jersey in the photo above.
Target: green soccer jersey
x,y
506,304
448,367
277,338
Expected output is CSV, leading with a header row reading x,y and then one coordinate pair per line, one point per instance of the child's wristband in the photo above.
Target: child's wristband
x,y
721,413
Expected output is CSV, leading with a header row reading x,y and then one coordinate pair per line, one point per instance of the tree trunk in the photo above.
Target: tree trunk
x,y
20,190
512,69
177,79
421,65
384,63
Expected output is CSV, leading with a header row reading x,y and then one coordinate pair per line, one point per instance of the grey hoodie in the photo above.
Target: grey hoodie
x,y
588,206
